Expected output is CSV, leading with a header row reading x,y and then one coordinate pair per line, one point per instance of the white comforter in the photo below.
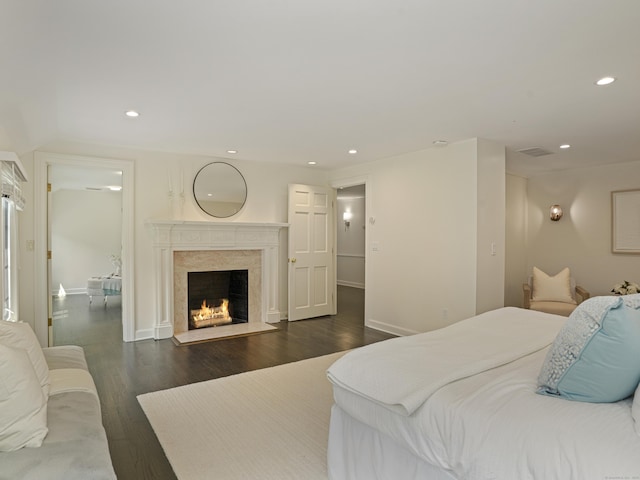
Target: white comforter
x,y
492,424
402,373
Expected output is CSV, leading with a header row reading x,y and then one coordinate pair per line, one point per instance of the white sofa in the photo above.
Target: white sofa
x,y
75,445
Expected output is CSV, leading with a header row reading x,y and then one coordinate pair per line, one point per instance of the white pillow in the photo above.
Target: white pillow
x,y
23,406
635,409
20,335
552,289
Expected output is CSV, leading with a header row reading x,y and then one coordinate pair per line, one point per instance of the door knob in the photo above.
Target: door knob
x,y
293,260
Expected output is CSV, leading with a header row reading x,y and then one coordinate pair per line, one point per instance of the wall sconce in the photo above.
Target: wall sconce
x,y
346,217
555,213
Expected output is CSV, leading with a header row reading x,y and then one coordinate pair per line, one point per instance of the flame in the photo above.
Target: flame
x,y
207,312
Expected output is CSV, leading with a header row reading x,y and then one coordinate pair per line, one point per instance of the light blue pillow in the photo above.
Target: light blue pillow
x,y
632,301
596,355
635,410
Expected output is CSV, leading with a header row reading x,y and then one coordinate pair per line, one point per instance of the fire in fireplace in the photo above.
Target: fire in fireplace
x,y
217,298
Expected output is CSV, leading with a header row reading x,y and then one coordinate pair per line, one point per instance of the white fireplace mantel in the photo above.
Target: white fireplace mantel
x,y
178,235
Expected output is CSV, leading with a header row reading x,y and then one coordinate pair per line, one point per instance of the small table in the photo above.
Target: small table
x,y
106,286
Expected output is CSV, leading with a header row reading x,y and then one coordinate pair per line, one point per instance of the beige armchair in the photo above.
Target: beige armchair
x,y
561,301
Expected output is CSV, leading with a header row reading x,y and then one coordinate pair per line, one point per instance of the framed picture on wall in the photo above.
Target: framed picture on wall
x,y
625,229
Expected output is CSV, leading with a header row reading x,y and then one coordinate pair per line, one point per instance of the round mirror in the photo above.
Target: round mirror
x,y
220,189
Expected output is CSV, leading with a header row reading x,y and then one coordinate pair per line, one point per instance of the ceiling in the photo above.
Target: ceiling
x,y
299,81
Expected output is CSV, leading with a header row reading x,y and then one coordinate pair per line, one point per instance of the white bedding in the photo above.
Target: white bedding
x,y
492,425
402,373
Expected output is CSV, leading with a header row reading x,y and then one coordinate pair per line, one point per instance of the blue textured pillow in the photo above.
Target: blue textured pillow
x,y
632,301
635,410
596,355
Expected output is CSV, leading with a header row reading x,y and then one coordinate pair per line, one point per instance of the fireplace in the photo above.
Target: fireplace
x,y
181,247
217,298
214,272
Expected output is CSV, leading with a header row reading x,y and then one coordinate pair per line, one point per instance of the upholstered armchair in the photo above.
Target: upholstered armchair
x,y
557,294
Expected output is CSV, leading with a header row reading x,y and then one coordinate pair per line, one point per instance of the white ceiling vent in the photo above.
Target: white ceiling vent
x,y
535,152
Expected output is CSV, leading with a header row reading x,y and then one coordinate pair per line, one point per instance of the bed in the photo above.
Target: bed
x,y
464,402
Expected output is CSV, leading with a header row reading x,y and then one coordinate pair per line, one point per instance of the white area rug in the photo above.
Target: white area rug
x,y
265,424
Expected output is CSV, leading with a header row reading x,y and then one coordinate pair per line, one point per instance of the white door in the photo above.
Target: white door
x,y
312,282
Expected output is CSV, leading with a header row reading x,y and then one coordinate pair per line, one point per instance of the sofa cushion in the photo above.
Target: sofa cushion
x,y
20,335
596,355
23,406
555,288
65,356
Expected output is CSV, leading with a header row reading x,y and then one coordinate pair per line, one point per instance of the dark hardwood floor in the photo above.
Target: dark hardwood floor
x,y
124,370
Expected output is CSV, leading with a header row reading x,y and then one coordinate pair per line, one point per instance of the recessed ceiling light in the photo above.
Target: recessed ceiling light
x,y
311,163
132,113
232,151
565,146
114,188
353,151
605,81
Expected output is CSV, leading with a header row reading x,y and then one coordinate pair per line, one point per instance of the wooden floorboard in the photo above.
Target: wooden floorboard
x,y
124,370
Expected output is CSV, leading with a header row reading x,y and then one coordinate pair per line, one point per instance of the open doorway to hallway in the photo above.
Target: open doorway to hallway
x,y
351,244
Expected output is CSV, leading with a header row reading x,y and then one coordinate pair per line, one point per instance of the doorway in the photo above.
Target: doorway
x,y
43,281
85,220
351,234
351,230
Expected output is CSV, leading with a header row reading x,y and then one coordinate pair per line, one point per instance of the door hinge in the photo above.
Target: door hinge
x,y
48,187
48,254
50,321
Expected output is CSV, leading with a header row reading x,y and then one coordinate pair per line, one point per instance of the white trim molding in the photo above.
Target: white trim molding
x,y
42,160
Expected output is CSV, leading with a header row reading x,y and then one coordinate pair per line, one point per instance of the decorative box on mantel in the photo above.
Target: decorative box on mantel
x,y
181,246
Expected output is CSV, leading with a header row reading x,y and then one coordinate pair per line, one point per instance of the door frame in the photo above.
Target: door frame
x,y
368,188
42,160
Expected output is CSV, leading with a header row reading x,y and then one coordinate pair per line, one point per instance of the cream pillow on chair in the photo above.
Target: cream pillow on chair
x,y
552,289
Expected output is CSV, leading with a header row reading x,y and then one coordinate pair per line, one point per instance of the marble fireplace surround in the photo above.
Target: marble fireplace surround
x,y
182,246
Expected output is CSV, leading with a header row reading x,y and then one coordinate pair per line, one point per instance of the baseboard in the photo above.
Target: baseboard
x,y
346,283
71,291
387,328
145,334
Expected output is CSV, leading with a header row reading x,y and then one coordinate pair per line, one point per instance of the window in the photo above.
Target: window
x,y
11,177
9,251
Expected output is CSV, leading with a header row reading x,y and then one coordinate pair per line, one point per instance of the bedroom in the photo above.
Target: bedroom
x,y
449,248
426,205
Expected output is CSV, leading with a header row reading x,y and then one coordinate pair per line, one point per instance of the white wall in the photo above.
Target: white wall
x,y
86,229
581,240
516,240
266,202
422,247
351,243
490,226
